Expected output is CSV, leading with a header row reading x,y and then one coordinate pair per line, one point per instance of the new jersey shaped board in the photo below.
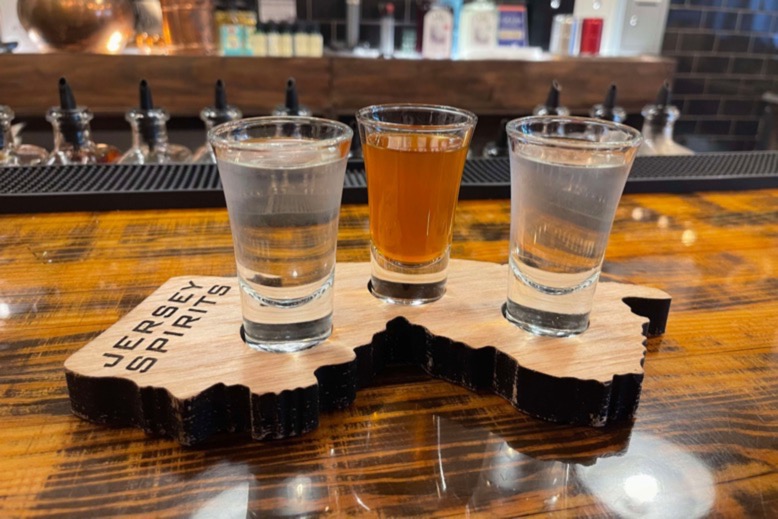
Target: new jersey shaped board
x,y
176,364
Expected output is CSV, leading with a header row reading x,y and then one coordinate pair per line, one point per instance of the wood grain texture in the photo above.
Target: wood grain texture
x,y
175,365
411,446
329,86
497,87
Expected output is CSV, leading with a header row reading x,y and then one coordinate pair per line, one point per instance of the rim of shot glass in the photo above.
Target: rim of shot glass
x,y
469,119
218,136
519,129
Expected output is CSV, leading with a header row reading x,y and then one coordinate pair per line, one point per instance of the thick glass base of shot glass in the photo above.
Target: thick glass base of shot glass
x,y
407,284
286,338
542,308
541,322
300,320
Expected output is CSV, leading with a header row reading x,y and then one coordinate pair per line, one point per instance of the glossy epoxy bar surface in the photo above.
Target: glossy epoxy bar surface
x,y
703,442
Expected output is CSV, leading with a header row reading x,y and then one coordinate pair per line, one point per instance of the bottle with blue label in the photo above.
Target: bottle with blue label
x,y
233,32
512,26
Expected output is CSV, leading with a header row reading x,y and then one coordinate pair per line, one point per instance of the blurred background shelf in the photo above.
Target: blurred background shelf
x,y
331,86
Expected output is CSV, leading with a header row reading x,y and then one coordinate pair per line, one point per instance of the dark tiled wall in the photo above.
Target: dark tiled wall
x,y
727,52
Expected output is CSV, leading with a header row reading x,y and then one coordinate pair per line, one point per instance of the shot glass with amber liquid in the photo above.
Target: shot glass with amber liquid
x,y
414,157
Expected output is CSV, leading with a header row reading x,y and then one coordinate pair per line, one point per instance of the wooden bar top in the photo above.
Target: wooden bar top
x,y
704,442
330,85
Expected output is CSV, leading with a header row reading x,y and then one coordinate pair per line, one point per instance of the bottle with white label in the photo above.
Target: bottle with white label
x,y
273,40
285,40
387,30
478,29
438,33
301,46
258,41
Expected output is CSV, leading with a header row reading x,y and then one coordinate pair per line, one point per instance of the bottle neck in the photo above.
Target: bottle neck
x,y
149,128
658,130
77,137
6,137
659,121
213,116
71,128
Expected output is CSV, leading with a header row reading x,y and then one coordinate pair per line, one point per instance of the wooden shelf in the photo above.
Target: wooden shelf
x,y
330,85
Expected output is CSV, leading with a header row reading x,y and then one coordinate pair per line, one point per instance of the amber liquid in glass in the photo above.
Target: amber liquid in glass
x,y
413,184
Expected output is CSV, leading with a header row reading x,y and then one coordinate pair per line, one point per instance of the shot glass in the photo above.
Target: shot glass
x,y
414,157
283,181
567,176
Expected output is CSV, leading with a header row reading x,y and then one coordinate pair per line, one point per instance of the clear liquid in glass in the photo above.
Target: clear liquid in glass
x,y
284,217
562,213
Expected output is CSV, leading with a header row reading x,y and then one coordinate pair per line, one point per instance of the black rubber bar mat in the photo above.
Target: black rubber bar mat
x,y
107,187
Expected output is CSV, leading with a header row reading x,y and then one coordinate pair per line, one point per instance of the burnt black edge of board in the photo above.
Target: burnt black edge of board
x,y
234,409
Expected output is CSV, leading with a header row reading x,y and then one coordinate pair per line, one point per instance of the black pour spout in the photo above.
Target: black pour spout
x,y
72,127
552,101
610,98
66,99
149,126
605,110
220,96
220,105
292,102
664,96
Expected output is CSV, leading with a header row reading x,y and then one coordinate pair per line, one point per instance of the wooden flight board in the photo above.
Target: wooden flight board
x,y
176,365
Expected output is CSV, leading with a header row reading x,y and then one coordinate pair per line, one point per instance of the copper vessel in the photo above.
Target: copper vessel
x,y
100,26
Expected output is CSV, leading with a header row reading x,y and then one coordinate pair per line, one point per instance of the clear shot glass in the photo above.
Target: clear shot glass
x,y
567,176
283,181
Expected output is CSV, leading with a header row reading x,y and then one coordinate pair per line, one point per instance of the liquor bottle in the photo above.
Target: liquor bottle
x,y
455,6
273,40
437,39
12,154
149,134
499,146
387,30
219,113
187,26
565,35
478,29
73,142
512,26
608,109
237,21
591,36
658,124
291,104
422,8
232,33
301,40
552,106
353,9
285,40
258,41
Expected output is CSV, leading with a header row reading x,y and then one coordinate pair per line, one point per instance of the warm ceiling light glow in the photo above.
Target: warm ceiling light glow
x,y
115,42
